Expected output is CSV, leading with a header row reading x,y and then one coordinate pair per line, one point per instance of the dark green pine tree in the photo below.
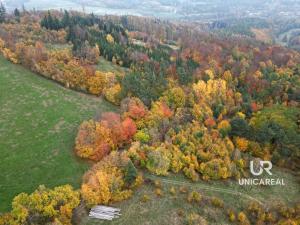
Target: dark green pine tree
x,y
130,173
71,34
56,24
50,21
183,75
2,12
17,14
44,22
146,83
66,21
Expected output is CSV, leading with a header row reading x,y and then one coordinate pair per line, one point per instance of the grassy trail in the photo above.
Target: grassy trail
x,y
164,210
202,186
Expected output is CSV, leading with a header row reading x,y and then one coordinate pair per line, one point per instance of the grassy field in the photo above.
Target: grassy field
x,y
38,124
160,210
108,66
164,210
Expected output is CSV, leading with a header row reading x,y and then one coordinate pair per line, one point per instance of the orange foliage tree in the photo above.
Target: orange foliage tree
x,y
95,139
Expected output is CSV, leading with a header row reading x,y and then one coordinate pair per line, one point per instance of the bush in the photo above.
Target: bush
x,y
180,213
172,191
183,190
157,184
243,219
217,202
159,192
145,198
231,215
194,197
196,219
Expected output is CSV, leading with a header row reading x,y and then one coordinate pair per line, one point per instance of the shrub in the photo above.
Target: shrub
x,y
172,191
191,173
231,215
196,219
217,202
243,219
158,192
194,197
183,190
145,198
157,184
180,212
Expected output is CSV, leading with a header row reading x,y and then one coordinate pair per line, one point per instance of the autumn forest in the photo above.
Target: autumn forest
x,y
185,106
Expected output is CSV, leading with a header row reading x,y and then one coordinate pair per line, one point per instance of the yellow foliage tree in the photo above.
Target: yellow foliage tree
x,y
43,206
241,143
105,183
158,161
110,39
11,56
97,83
112,94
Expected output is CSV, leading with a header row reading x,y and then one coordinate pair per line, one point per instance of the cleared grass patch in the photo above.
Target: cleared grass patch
x,y
107,66
164,210
38,125
167,209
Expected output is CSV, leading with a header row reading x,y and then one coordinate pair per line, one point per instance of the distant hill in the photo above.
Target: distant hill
x,y
196,10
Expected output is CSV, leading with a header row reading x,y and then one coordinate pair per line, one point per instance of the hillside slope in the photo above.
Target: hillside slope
x,y
39,120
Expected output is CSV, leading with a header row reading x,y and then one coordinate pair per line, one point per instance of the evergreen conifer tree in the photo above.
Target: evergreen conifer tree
x,y
130,173
17,14
2,12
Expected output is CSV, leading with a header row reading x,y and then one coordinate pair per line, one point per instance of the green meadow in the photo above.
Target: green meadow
x,y
38,126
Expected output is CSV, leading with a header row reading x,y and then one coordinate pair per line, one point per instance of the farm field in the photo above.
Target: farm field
x,y
38,125
164,210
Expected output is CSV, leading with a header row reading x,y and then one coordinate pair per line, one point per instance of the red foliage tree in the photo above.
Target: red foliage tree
x,y
129,128
210,122
166,111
